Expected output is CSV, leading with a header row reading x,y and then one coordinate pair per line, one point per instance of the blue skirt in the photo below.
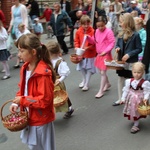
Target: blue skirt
x,y
4,55
39,137
87,64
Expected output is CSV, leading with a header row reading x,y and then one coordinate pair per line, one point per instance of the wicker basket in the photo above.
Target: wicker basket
x,y
75,58
115,64
60,97
15,121
144,109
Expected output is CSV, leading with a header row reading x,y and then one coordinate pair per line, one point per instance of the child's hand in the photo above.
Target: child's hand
x,y
102,54
125,57
13,108
17,100
145,101
57,82
117,49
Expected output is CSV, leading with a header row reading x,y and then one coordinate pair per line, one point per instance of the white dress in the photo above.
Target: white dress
x,y
133,94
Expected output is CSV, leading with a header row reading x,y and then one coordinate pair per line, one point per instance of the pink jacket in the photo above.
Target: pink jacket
x,y
104,41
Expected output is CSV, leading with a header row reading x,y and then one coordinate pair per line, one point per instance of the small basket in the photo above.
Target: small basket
x,y
15,121
114,64
143,109
75,58
60,98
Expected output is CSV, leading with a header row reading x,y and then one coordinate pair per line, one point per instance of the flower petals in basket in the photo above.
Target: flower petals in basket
x,y
75,58
143,109
15,121
60,98
114,64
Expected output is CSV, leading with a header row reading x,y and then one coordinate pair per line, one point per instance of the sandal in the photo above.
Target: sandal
x,y
134,129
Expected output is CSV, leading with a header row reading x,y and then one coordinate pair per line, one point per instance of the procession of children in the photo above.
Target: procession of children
x,y
44,70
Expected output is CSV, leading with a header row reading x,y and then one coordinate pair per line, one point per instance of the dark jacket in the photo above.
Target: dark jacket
x,y
73,16
34,10
60,26
146,55
68,6
133,47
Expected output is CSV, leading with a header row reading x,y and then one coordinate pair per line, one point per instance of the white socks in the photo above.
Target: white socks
x,y
6,68
136,123
121,81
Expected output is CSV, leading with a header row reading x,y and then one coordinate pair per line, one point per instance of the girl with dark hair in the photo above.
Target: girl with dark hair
x,y
104,40
36,90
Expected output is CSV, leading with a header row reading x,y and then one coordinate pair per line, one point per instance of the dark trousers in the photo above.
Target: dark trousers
x,y
72,37
69,102
62,43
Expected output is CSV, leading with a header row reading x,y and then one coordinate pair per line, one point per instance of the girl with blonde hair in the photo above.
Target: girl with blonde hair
x,y
128,47
139,25
135,91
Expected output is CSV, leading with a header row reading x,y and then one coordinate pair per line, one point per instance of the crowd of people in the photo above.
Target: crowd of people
x,y
123,27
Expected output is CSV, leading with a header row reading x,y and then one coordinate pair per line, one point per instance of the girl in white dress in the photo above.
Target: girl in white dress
x,y
135,91
62,71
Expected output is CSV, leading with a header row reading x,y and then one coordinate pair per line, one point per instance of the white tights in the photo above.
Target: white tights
x,y
136,123
86,75
6,68
121,81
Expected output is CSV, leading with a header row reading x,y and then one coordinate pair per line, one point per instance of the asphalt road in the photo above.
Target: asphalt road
x,y
95,124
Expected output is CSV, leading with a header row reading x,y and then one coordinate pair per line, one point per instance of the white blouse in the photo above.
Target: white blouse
x,y
3,38
134,84
28,74
63,69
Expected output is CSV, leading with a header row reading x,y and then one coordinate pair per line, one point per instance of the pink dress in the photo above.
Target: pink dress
x,y
133,93
104,41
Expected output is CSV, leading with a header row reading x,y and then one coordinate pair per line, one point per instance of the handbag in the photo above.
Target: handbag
x,y
10,42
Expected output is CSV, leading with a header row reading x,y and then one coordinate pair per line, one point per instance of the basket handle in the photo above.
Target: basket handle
x,y
3,107
116,56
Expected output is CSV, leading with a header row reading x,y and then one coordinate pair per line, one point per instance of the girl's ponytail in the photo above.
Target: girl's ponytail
x,y
45,56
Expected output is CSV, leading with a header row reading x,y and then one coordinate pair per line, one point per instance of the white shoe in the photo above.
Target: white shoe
x,y
85,88
81,85
116,103
3,71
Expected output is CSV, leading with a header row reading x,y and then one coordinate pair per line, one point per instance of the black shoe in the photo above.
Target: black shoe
x,y
68,114
16,66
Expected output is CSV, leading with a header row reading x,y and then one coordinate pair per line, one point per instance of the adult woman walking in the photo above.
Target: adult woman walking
x,y
18,15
